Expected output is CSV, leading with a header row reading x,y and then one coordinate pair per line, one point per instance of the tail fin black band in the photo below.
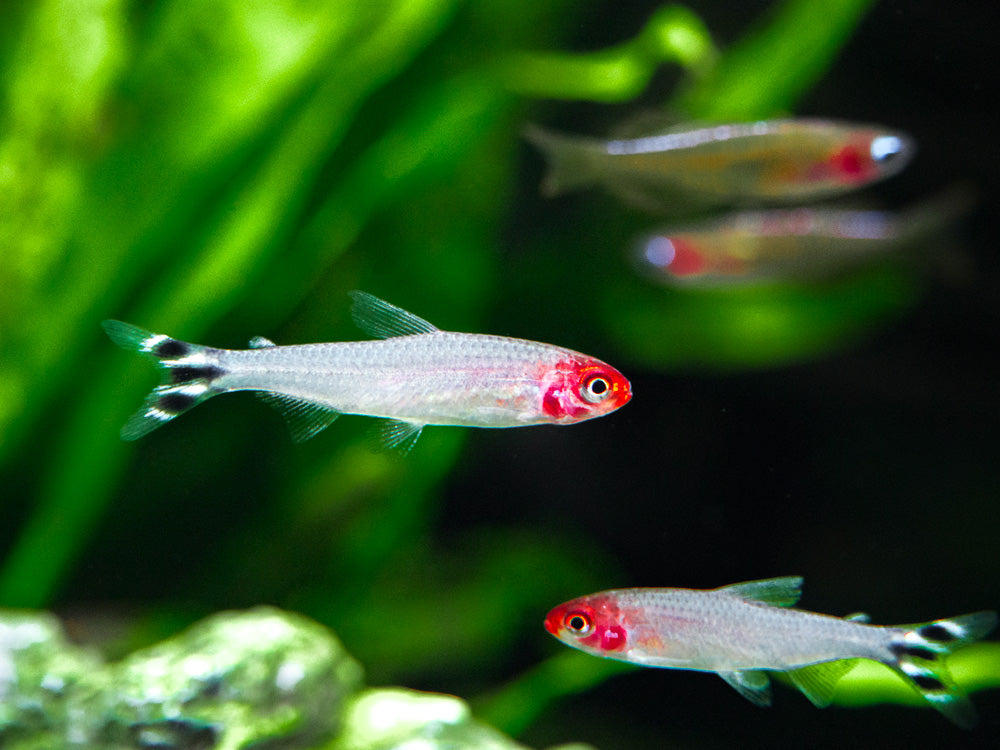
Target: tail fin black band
x,y
920,658
188,373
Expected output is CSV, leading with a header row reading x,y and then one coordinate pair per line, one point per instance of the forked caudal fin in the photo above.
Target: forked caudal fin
x,y
571,164
188,371
920,659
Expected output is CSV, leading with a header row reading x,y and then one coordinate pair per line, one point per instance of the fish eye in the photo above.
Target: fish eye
x,y
579,623
596,389
660,251
886,147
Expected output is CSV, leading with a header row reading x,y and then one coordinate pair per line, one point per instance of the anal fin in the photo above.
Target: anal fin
x,y
304,418
818,681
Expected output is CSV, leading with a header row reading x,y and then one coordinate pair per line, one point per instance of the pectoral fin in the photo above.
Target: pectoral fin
x,y
752,684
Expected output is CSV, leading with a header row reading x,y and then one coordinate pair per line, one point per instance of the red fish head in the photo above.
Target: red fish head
x,y
591,623
584,388
872,155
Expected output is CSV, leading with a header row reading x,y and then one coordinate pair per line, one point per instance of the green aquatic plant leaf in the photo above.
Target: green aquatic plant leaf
x,y
674,34
518,704
768,71
206,276
740,329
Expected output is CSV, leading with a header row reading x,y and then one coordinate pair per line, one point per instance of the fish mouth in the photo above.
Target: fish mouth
x,y
623,394
552,621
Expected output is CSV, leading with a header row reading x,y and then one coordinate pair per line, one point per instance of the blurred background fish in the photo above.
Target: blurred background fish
x,y
795,244
769,161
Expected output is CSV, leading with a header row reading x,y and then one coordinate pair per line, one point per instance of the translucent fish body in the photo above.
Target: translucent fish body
x,y
749,247
769,161
435,378
740,630
417,375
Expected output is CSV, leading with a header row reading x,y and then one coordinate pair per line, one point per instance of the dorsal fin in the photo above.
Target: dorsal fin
x,y
378,318
259,342
780,592
648,122
858,617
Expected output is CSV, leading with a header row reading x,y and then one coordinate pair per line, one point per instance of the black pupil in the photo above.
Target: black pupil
x,y
598,386
577,623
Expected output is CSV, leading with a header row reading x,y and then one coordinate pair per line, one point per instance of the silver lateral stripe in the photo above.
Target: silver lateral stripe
x,y
148,344
655,143
683,140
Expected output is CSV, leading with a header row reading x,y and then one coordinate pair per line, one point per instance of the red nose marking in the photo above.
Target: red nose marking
x,y
553,620
624,392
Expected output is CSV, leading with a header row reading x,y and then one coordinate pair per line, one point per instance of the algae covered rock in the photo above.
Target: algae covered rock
x,y
236,679
399,719
39,673
262,678
232,680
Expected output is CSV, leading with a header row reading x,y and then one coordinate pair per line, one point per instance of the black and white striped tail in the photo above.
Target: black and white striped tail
x,y
188,372
920,658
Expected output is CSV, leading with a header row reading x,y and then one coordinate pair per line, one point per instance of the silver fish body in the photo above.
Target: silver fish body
x,y
792,245
414,376
436,378
743,630
718,632
771,161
